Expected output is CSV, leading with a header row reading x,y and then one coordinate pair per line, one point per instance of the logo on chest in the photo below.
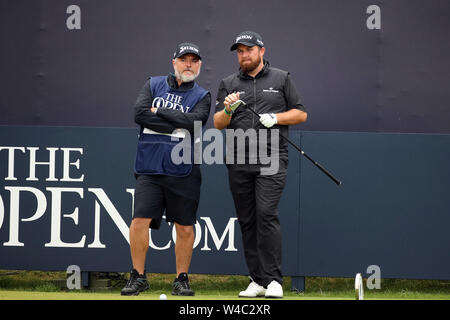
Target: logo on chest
x,y
271,90
170,101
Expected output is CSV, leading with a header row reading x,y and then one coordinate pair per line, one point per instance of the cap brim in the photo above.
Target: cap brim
x,y
248,44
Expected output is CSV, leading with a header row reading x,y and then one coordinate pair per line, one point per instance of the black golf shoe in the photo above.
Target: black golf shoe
x,y
135,285
181,286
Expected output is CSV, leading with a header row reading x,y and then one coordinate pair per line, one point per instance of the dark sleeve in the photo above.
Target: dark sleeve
x,y
292,97
185,120
221,94
144,117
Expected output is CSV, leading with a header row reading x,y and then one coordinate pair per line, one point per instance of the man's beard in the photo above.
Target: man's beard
x,y
249,67
186,78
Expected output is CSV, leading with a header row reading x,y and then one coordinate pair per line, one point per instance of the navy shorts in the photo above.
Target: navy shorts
x,y
175,197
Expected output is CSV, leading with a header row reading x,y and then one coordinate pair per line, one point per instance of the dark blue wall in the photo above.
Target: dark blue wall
x,y
391,210
351,78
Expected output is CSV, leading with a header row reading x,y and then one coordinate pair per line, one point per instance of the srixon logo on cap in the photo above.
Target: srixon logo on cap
x,y
244,37
184,48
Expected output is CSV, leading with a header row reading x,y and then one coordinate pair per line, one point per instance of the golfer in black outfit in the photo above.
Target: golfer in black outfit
x,y
272,94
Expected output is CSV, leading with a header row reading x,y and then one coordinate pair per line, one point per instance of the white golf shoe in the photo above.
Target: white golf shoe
x,y
253,290
274,290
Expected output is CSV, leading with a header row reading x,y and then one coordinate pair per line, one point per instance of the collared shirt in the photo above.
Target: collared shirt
x,y
270,91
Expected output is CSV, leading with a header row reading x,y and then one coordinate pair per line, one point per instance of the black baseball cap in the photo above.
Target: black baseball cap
x,y
248,38
185,48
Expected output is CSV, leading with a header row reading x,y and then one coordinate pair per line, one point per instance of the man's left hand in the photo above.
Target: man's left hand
x,y
268,119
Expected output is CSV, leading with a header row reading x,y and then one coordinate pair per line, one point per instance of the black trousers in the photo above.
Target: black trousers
x,y
256,199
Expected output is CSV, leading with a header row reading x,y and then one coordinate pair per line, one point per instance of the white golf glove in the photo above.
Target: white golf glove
x,y
268,119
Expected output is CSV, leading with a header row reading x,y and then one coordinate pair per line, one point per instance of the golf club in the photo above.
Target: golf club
x,y
238,102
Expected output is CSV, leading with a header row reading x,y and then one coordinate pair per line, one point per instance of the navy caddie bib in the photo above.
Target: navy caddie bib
x,y
154,149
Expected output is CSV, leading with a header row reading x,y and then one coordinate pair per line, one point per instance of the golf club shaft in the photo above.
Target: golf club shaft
x,y
318,165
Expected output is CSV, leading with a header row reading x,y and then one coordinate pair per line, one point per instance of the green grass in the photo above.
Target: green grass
x,y
25,285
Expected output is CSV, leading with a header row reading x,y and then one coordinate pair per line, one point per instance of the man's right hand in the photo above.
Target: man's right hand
x,y
230,99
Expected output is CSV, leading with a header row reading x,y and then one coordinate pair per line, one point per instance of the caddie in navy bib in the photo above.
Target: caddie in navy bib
x,y
154,149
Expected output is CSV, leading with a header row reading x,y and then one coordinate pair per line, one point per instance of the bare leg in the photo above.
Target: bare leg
x,y
183,247
139,240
